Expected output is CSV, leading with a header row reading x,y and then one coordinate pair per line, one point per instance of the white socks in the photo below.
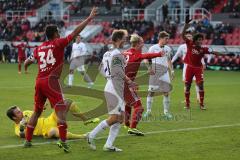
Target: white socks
x,y
100,127
113,132
166,104
70,79
149,103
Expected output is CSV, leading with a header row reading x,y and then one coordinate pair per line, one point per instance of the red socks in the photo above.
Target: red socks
x,y
201,95
187,101
127,116
29,133
137,114
62,127
19,67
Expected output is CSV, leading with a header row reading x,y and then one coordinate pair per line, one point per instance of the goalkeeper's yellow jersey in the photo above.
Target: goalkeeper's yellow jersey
x,y
43,125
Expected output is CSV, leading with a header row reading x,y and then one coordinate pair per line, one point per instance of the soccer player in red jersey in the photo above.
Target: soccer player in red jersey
x,y
50,55
194,67
134,57
21,55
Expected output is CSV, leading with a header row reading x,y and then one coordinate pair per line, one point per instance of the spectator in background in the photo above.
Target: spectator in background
x,y
108,5
209,4
1,57
68,51
234,14
6,52
178,11
165,11
103,50
206,22
218,40
228,7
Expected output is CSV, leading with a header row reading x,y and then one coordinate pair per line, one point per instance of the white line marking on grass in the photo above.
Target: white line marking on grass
x,y
125,135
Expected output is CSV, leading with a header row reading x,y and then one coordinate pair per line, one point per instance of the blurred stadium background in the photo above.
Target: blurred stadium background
x,y
218,20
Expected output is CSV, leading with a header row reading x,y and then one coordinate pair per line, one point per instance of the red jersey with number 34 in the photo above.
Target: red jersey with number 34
x,y
195,54
50,55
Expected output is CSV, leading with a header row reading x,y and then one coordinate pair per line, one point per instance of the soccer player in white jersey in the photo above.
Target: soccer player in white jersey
x,y
114,67
77,60
181,52
161,74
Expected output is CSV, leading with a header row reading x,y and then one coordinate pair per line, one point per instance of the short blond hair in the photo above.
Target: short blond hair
x,y
163,34
118,34
135,38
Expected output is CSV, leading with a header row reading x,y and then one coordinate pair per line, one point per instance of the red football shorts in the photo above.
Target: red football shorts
x,y
48,88
193,71
21,59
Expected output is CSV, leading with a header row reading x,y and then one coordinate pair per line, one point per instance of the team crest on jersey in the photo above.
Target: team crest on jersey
x,y
116,61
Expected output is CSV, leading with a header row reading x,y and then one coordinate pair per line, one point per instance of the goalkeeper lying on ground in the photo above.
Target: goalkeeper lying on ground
x,y
46,126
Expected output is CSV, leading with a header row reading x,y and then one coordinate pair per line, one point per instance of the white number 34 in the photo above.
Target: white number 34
x,y
48,60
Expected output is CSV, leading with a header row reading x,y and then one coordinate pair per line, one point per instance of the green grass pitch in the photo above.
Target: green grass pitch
x,y
212,135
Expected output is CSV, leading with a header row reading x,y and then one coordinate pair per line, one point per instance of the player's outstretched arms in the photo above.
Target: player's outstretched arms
x,y
186,26
151,55
83,24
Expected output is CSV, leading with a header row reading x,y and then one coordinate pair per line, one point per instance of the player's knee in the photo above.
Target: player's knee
x,y
61,121
200,85
82,72
68,103
113,119
61,107
120,119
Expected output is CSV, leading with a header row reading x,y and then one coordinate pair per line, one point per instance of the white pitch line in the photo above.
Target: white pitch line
x,y
125,135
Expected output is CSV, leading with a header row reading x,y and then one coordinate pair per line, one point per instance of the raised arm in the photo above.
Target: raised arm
x,y
186,26
210,51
